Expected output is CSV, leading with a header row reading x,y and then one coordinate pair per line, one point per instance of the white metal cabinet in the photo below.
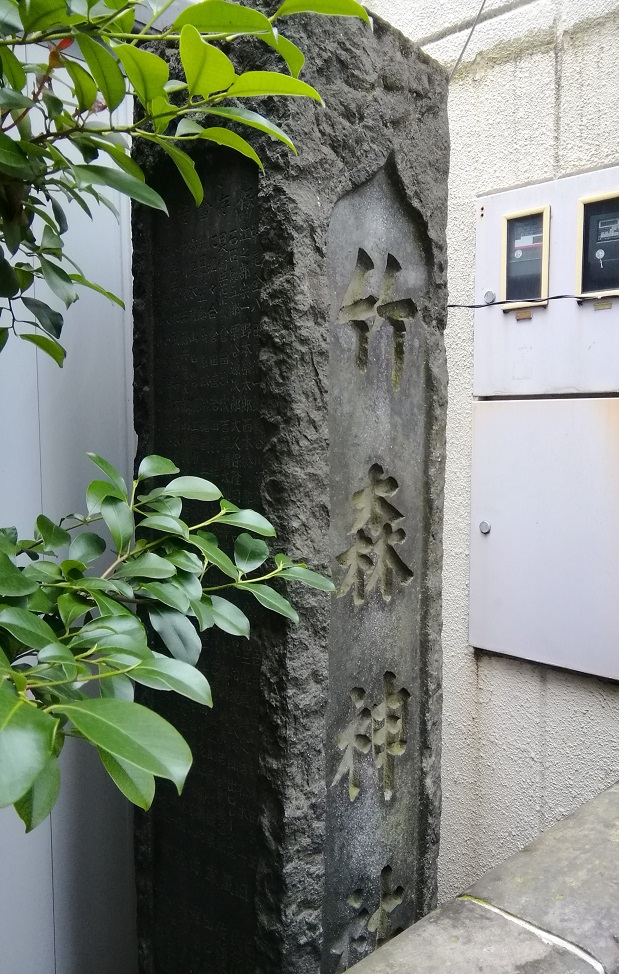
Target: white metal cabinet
x,y
566,347
545,579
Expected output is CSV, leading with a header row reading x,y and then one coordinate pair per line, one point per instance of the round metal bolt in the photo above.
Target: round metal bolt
x,y
484,527
489,297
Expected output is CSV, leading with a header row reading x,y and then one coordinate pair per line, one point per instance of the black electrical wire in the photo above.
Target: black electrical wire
x,y
520,301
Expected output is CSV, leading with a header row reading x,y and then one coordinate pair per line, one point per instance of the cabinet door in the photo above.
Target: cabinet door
x,y
544,580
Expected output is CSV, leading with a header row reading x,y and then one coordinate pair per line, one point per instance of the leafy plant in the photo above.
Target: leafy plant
x,y
55,110
73,640
72,645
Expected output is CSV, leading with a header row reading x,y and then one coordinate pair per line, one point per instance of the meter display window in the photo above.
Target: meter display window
x,y
600,259
525,258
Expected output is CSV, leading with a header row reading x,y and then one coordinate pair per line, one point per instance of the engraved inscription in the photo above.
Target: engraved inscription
x,y
365,312
371,560
379,730
390,897
355,940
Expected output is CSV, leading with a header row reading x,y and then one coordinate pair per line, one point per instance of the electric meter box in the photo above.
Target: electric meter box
x,y
551,251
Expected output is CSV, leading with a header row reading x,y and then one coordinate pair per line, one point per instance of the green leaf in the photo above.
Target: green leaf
x,y
136,785
156,466
120,181
119,155
172,674
96,493
108,606
42,601
13,160
44,571
169,594
190,584
110,472
47,345
86,547
8,540
84,87
192,488
120,687
270,599
148,565
34,807
147,72
308,577
166,523
4,337
203,611
229,617
53,535
178,634
53,105
292,55
38,15
9,98
167,505
186,560
225,137
71,607
56,653
13,581
119,519
59,215
219,17
27,628
26,742
245,117
258,83
251,521
132,733
249,553
115,586
51,321
207,543
333,8
9,283
162,112
185,166
11,66
104,69
207,69
84,282
58,281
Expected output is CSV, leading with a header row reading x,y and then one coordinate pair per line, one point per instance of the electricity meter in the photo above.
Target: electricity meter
x,y
525,257
598,257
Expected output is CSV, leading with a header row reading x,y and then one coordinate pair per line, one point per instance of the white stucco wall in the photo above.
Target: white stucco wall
x,y
535,97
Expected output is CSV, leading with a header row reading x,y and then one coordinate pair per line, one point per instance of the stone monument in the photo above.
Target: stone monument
x,y
289,347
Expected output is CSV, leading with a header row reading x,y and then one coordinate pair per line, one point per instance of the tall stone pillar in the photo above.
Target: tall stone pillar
x,y
289,347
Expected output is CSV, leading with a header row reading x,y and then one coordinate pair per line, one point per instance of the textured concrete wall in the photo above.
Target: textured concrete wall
x,y
535,97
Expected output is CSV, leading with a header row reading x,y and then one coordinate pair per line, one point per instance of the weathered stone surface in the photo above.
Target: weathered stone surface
x,y
465,938
251,371
568,881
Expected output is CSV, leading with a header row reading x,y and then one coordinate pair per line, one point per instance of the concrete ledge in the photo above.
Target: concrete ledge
x,y
551,909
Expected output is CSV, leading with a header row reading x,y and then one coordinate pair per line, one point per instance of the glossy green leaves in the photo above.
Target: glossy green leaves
x,y
207,69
